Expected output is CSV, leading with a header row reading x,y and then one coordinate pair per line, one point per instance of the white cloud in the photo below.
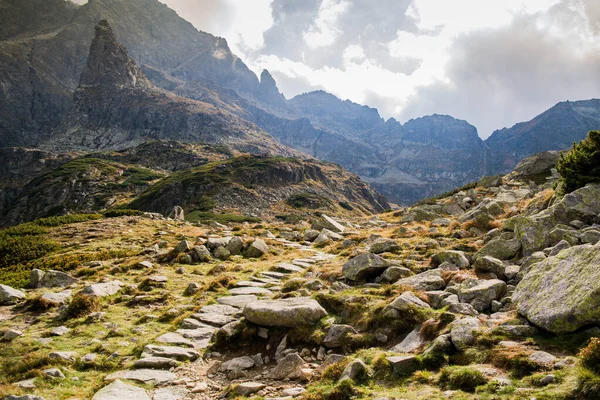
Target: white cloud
x,y
324,31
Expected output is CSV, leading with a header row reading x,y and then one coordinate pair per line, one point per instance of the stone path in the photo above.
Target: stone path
x,y
173,364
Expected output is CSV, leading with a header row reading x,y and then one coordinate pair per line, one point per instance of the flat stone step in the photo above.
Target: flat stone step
x,y
214,319
174,338
302,264
266,280
305,260
272,274
174,352
250,290
220,309
148,376
250,284
288,268
237,301
155,363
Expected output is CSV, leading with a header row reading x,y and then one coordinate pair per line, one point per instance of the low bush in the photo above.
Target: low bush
x,y
82,305
66,219
200,216
590,355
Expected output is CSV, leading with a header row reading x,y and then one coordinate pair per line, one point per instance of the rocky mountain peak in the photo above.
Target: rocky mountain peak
x,y
268,92
109,64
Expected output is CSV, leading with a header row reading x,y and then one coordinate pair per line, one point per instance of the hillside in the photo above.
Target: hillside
x,y
447,298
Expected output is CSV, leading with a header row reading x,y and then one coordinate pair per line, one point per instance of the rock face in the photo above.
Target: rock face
x,y
560,294
288,313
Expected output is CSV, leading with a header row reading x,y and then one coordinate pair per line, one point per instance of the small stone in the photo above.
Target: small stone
x,y
354,370
143,265
192,289
288,367
248,388
12,334
59,331
69,356
119,391
54,373
236,364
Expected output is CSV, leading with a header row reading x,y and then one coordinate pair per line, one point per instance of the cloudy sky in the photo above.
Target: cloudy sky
x,y
490,62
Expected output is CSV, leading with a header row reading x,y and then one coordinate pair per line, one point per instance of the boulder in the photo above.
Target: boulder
x,y
462,332
480,293
288,367
364,266
182,247
393,274
290,313
336,335
221,253
257,249
403,365
560,293
406,302
425,281
119,391
35,276
235,246
9,295
237,364
201,253
248,388
310,235
383,245
212,243
490,264
326,222
454,257
355,370
410,343
103,289
501,249
56,299
53,279
174,352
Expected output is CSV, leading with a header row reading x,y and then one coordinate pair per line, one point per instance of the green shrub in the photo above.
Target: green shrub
x,y
199,216
346,206
139,176
590,355
307,200
588,385
124,212
21,249
581,165
461,378
66,219
82,305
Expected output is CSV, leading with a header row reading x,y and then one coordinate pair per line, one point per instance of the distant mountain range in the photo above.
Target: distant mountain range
x,y
186,85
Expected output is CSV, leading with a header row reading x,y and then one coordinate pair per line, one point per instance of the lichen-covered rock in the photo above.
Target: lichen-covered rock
x,y
480,293
9,295
501,249
257,249
103,289
364,266
336,335
235,246
407,301
201,253
490,264
289,313
393,274
454,257
384,245
56,279
462,332
326,222
425,281
561,294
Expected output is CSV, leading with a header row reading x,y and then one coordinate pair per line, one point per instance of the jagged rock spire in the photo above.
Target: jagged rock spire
x,y
109,64
268,92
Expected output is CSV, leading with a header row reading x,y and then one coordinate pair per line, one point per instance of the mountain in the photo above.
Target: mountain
x,y
115,106
555,129
40,66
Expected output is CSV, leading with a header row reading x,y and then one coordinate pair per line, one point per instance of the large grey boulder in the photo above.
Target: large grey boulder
x,y
393,274
9,295
501,249
289,313
425,281
480,293
336,335
561,294
119,391
364,266
490,264
326,222
406,302
288,367
53,279
383,245
235,246
454,257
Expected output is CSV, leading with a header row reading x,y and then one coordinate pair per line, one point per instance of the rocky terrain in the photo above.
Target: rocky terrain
x,y
488,292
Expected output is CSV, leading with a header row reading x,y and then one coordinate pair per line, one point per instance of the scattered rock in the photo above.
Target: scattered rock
x,y
9,295
257,249
248,388
384,245
288,367
457,258
103,289
148,376
336,334
462,332
480,293
425,281
53,279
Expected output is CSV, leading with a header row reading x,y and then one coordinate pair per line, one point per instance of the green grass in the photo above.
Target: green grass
x,y
66,219
82,165
122,212
461,378
201,216
138,176
307,200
